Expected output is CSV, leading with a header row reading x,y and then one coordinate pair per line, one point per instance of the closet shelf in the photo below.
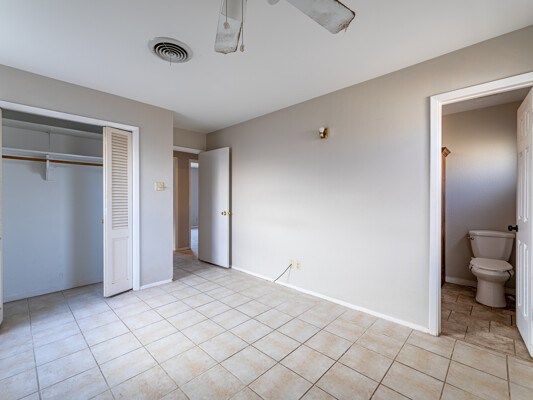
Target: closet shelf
x,y
51,156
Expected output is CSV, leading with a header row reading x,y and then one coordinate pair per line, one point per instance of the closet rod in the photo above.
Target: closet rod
x,y
53,161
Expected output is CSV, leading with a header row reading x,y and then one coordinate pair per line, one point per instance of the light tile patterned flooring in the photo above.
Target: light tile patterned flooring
x,y
221,334
465,319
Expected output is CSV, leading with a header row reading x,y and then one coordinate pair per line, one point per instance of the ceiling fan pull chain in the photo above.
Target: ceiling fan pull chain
x,y
242,15
226,24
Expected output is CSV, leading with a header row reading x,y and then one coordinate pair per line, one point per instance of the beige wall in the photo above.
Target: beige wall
x,y
354,209
192,140
181,199
155,156
480,179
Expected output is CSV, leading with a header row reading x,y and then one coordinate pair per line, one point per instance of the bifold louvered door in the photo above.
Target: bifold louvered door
x,y
117,211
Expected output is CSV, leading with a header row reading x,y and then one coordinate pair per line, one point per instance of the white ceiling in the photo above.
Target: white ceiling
x,y
102,44
486,101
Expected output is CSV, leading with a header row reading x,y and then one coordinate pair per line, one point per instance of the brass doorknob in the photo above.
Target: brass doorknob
x,y
223,213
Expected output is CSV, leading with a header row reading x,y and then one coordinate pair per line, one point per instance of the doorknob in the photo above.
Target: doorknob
x,y
223,213
511,228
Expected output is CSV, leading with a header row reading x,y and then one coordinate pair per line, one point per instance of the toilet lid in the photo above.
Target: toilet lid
x,y
490,264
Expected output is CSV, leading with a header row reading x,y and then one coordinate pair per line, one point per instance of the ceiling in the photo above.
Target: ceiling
x,y
486,101
102,44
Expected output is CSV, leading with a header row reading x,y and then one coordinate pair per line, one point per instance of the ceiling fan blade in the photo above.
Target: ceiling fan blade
x,y
331,14
229,26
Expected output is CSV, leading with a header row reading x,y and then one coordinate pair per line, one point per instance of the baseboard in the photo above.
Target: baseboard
x,y
183,249
156,284
341,302
42,292
467,282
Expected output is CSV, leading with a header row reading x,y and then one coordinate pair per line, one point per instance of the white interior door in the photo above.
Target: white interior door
x,y
214,215
524,235
118,196
1,232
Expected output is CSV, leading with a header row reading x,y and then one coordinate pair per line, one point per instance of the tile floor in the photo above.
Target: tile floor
x,y
221,334
467,320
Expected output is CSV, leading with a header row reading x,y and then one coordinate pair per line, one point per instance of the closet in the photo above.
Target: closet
x,y
52,205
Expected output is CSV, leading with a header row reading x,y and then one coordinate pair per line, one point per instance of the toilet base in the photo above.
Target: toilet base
x,y
491,294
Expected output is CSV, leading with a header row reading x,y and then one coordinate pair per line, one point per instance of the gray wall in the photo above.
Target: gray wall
x,y
354,209
192,140
52,230
480,179
194,197
156,140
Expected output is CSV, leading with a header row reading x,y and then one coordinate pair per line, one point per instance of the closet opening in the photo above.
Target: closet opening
x,y
52,205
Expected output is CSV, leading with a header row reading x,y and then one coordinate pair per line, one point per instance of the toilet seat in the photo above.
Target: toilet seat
x,y
489,264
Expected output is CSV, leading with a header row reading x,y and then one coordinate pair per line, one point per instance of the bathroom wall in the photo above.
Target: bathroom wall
x,y
480,180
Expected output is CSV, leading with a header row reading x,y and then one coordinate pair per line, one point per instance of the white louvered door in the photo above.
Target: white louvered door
x,y
118,196
524,236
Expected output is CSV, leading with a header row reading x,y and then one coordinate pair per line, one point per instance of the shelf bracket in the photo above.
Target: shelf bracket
x,y
49,169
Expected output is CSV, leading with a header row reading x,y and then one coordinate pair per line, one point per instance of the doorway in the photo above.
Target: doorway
x,y
437,104
479,199
184,164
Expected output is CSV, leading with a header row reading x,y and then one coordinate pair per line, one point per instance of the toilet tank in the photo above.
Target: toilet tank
x,y
491,244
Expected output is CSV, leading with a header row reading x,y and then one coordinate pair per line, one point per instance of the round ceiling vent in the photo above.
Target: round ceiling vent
x,y
170,50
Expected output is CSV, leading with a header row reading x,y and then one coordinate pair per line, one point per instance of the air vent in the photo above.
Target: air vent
x,y
170,50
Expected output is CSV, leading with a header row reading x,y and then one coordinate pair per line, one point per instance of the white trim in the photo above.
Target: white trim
x,y
155,284
467,282
341,302
436,103
186,150
266,278
136,273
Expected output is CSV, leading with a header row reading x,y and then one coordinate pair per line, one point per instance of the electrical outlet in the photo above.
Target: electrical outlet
x,y
291,262
298,265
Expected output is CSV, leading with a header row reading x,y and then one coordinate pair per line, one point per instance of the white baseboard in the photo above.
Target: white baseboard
x,y
156,284
467,282
341,302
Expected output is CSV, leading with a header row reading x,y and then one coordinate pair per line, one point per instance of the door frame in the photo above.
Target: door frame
x,y
136,272
435,206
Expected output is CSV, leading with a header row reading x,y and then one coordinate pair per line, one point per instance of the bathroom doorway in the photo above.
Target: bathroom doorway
x,y
478,162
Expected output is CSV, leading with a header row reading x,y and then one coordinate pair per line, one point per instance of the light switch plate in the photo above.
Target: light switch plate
x,y
159,186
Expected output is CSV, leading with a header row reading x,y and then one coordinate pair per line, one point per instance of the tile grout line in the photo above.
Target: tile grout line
x,y
448,369
90,350
33,350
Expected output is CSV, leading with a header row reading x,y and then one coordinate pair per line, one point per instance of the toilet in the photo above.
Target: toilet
x,y
492,250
